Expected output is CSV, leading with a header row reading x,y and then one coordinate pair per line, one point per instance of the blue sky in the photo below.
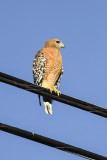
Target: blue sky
x,y
25,26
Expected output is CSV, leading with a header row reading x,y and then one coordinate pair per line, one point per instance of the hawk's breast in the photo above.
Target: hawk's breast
x,y
53,62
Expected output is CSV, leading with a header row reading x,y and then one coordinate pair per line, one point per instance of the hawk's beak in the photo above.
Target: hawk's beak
x,y
62,45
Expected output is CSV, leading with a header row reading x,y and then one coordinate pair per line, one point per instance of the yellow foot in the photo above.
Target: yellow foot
x,y
56,91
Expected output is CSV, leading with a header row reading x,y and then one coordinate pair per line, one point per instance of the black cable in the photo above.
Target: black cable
x,y
44,92
51,142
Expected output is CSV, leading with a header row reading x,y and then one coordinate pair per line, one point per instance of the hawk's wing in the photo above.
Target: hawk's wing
x,y
39,69
59,78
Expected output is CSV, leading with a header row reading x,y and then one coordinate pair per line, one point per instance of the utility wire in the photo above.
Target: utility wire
x,y
52,143
44,92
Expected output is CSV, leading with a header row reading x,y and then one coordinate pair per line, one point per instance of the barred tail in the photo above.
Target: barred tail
x,y
47,105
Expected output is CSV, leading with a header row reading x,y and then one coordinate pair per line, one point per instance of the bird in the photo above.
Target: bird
x,y
48,70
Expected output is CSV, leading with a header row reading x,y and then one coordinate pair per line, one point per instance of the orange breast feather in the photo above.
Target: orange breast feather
x,y
53,64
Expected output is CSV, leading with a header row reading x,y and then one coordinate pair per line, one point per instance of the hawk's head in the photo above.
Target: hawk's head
x,y
54,43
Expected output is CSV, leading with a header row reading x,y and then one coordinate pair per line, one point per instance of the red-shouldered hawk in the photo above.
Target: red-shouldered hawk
x,y
48,69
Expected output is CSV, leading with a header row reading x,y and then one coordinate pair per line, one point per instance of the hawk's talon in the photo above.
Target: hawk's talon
x,y
56,91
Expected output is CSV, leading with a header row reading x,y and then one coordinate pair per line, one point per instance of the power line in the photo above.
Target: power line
x,y
50,142
62,98
44,92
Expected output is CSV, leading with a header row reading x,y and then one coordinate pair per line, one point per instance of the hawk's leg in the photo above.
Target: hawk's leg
x,y
52,88
46,85
56,91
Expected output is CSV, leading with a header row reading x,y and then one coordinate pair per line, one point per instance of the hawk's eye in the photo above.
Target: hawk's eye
x,y
57,41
